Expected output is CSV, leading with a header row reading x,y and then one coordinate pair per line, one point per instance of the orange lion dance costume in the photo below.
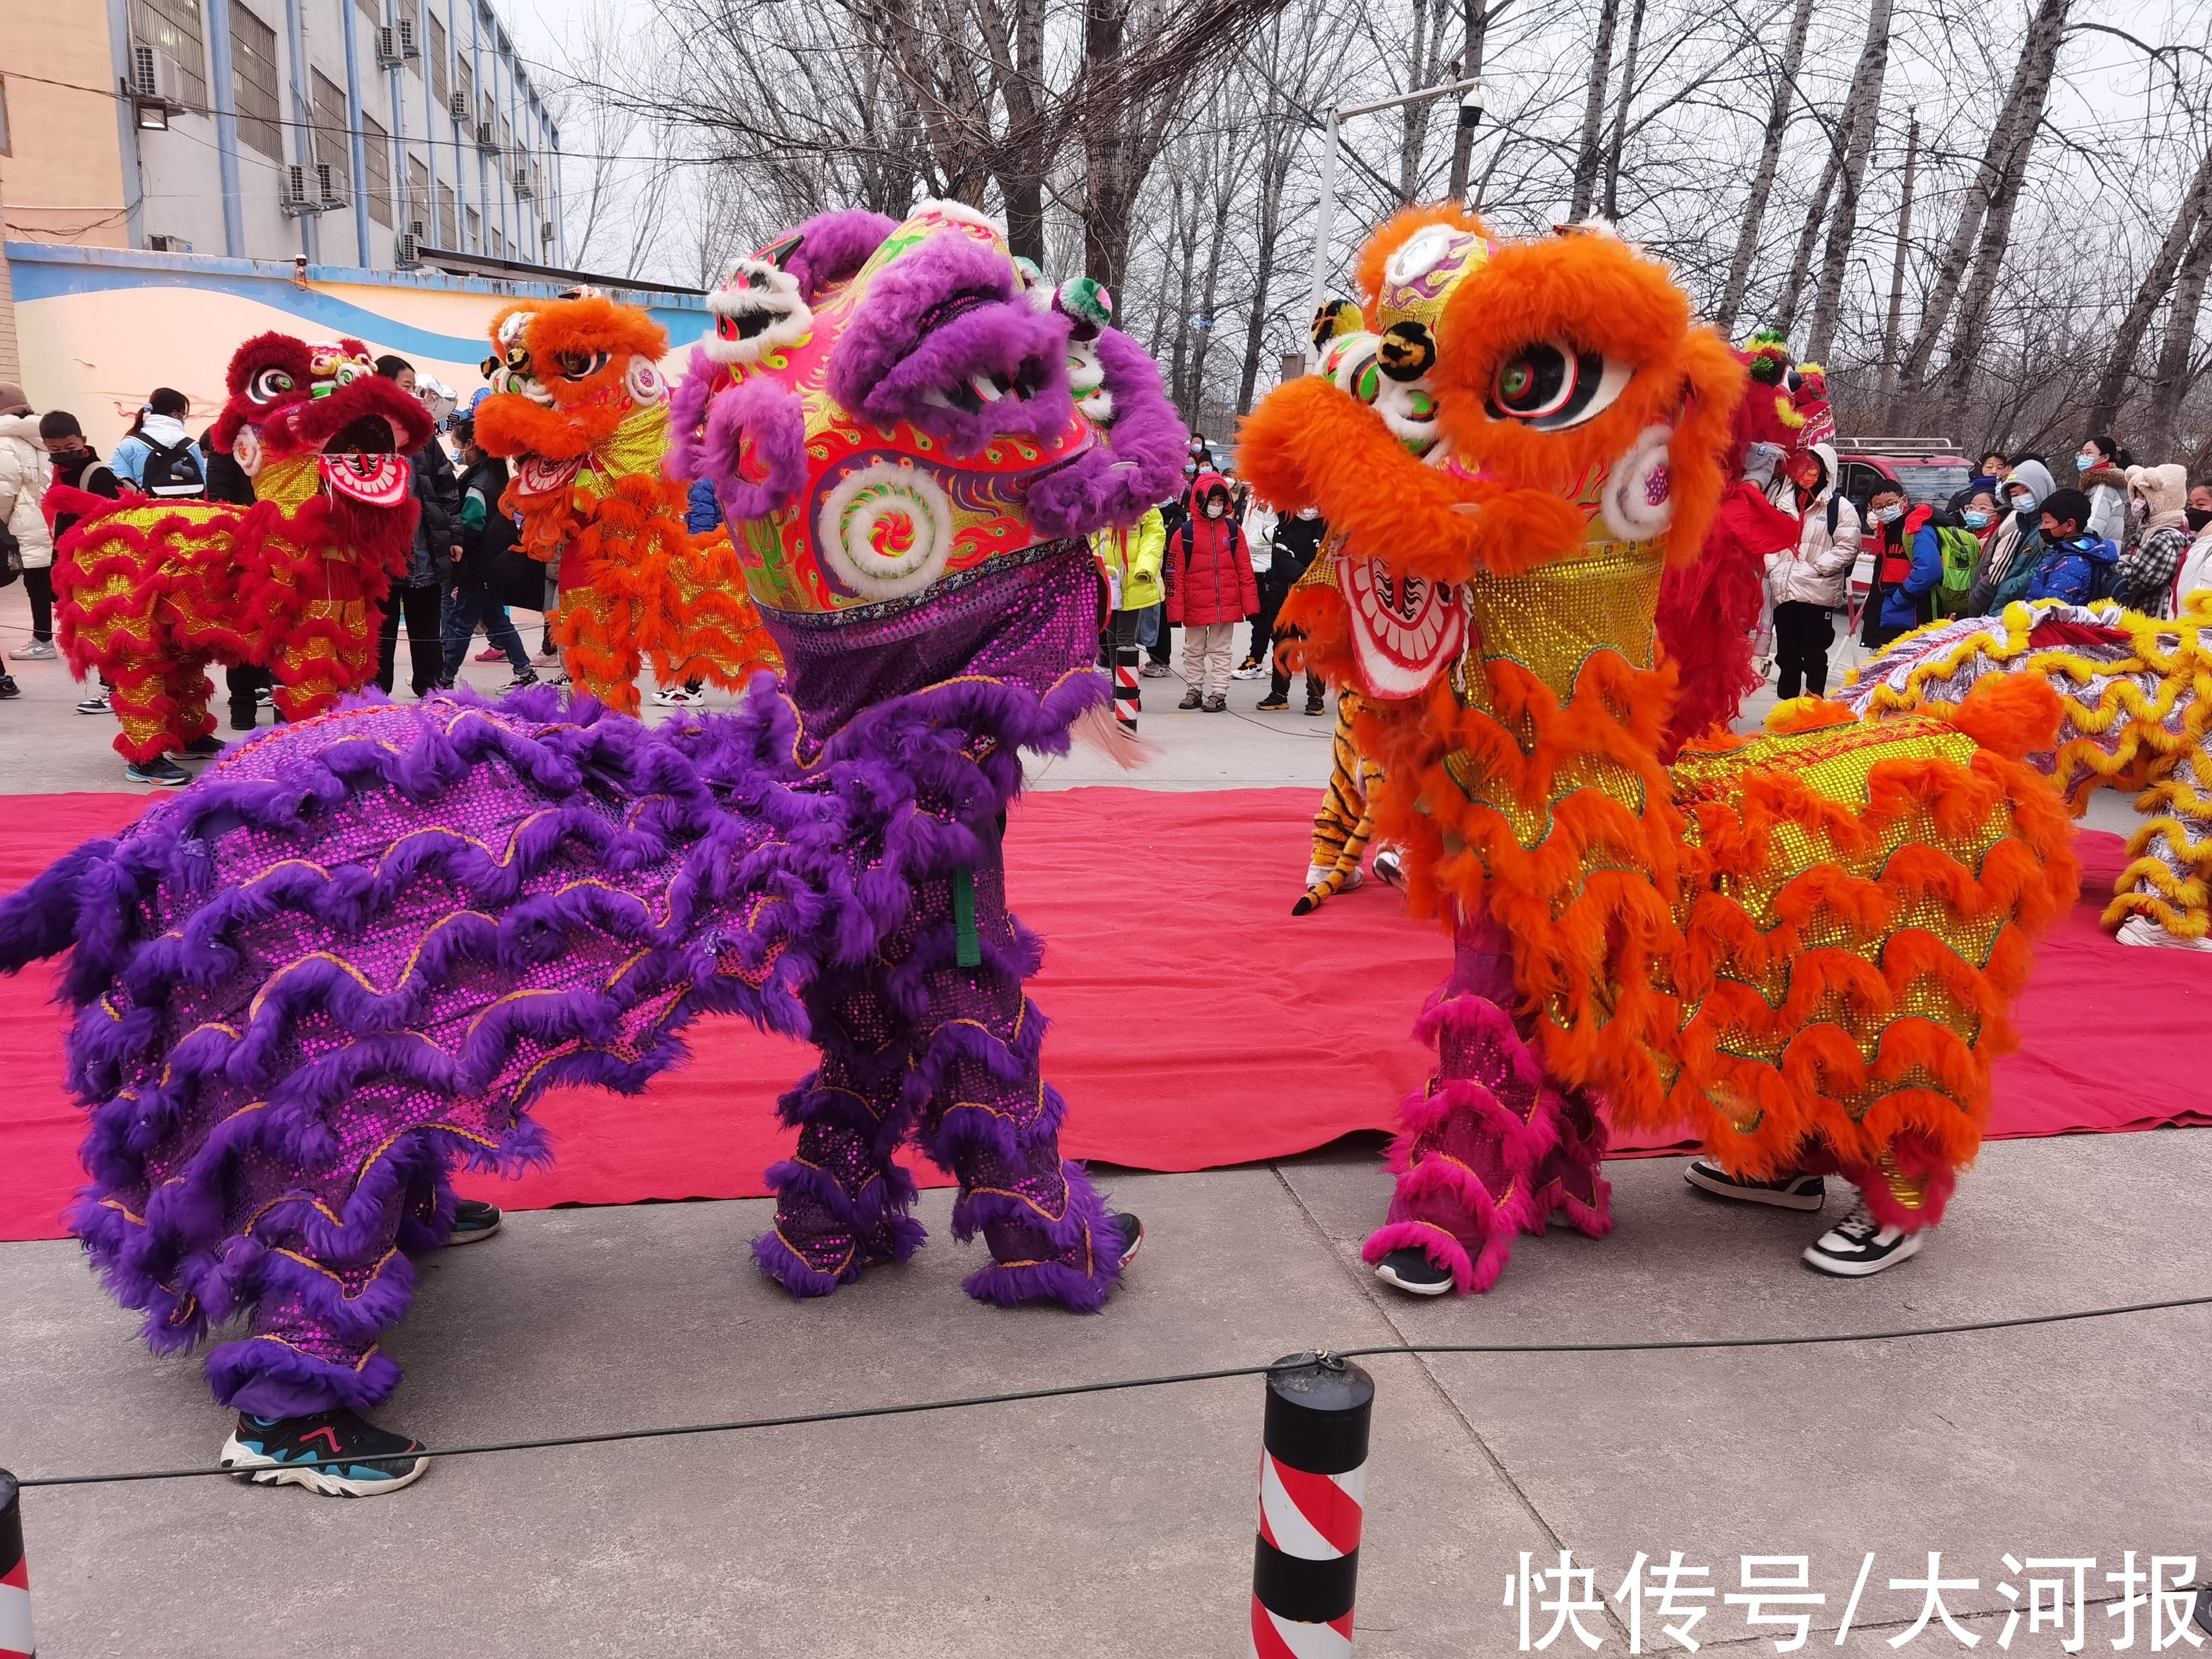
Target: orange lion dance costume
x,y
581,407
150,592
1800,946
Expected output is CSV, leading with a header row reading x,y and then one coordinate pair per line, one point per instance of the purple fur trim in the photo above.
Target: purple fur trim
x,y
686,460
912,336
255,1374
1141,464
833,246
1083,1278
759,419
782,1264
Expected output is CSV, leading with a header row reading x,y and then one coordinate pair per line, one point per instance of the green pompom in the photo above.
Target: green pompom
x,y
1087,301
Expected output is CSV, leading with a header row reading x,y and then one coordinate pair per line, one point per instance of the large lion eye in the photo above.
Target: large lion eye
x,y
1552,387
581,365
270,385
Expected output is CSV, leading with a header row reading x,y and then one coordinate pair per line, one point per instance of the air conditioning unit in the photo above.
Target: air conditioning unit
x,y
296,193
459,103
168,245
388,55
407,47
155,75
545,231
487,137
522,190
409,254
336,187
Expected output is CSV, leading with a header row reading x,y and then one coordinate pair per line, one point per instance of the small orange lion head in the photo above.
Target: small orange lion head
x,y
564,374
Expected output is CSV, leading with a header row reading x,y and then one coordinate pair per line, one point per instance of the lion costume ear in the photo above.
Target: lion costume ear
x,y
1337,317
779,254
1399,229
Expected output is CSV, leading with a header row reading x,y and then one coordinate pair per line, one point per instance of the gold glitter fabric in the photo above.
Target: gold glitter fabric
x,y
2135,698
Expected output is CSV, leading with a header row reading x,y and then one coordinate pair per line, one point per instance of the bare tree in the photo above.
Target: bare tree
x,y
2157,278
1769,157
1588,155
1861,117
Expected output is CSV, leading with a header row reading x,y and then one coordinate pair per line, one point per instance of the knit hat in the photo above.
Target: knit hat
x,y
12,400
2068,505
2164,489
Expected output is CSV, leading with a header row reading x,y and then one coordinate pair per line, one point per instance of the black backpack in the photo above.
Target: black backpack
x,y
174,470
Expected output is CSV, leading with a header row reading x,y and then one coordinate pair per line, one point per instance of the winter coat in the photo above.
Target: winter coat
x,y
484,532
2107,486
702,514
82,469
1297,541
435,486
2147,570
2068,570
1818,569
225,478
2196,566
1209,570
2019,536
25,472
1132,558
1908,569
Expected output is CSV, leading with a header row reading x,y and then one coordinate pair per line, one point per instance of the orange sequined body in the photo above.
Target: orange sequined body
x,y
1800,946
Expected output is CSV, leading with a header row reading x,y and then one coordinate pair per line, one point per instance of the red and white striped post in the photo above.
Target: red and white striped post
x,y
16,1641
1128,695
1313,1479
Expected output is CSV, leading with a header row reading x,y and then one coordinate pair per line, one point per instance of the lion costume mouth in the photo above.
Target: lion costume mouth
x,y
372,480
1406,630
538,475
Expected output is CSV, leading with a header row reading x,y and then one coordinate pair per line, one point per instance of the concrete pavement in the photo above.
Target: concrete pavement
x,y
1120,1523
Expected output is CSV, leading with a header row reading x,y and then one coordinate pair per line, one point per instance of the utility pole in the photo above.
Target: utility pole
x,y
1470,66
1470,113
1889,331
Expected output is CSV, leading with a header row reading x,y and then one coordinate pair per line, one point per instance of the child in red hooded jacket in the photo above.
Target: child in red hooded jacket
x,y
1211,589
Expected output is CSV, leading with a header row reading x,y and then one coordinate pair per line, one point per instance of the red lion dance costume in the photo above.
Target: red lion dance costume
x,y
1800,946
150,592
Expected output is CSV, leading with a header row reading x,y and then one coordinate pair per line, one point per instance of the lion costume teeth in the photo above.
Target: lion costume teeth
x,y
1802,947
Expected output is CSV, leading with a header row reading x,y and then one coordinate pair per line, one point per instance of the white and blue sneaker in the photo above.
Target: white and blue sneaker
x,y
330,1453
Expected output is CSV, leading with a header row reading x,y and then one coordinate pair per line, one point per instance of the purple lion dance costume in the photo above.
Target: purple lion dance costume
x,y
362,945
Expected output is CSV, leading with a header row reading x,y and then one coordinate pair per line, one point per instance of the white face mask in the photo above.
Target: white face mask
x,y
1309,513
1213,509
1888,514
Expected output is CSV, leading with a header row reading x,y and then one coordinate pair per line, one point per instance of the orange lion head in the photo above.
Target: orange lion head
x,y
565,373
1495,406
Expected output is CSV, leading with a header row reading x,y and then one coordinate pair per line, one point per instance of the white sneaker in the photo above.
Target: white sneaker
x,y
2142,930
36,651
1252,673
1858,1246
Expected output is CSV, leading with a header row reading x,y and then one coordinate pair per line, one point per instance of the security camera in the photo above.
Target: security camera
x,y
1470,106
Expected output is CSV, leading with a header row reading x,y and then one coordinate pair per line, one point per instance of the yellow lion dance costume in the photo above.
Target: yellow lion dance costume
x,y
579,403
2134,694
1802,947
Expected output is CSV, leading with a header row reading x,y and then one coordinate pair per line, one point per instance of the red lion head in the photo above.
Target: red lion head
x,y
289,398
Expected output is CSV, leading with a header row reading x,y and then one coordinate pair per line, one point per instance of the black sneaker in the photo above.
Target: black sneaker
x,y
1274,705
1217,704
474,1220
1313,708
1792,1192
322,1453
527,677
8,688
1858,1245
1411,1270
201,748
95,704
160,770
1132,1235
1192,699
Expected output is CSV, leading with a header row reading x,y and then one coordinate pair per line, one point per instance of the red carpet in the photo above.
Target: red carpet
x,y
1195,1022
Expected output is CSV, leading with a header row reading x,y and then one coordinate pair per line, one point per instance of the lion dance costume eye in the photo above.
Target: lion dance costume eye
x,y
1800,947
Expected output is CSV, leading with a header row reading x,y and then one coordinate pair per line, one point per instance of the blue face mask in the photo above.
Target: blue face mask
x,y
1976,520
1888,514
2083,462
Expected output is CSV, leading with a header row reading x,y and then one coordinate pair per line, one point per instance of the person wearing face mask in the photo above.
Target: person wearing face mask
x,y
2197,563
1259,523
1211,588
2009,555
2158,503
2077,562
1809,579
1908,567
1297,540
2104,466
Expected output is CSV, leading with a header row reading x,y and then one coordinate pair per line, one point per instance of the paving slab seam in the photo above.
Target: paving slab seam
x,y
1365,1282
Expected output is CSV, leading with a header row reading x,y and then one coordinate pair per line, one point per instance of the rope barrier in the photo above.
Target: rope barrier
x,y
1115,1385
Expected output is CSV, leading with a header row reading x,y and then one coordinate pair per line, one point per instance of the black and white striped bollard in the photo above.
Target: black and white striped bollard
x,y
1313,1479
16,1641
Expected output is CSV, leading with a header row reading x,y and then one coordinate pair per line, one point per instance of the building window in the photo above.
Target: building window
x,y
464,82
253,82
6,148
491,124
476,230
506,136
172,27
332,148
448,235
418,196
440,84
378,148
373,11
